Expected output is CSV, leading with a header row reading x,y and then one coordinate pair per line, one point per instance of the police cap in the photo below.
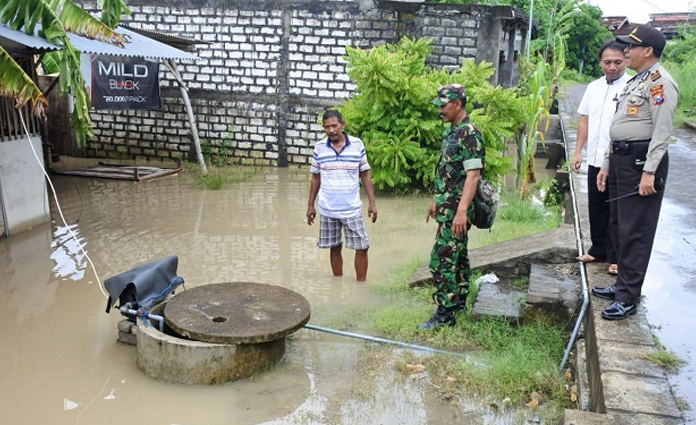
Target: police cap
x,y
643,35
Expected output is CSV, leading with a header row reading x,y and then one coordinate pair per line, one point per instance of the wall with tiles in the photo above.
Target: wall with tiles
x,y
268,69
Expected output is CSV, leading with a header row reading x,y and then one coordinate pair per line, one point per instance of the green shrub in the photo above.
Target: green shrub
x,y
392,113
680,59
216,155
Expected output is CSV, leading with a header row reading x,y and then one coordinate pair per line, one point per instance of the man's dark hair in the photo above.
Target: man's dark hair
x,y
331,113
463,100
612,45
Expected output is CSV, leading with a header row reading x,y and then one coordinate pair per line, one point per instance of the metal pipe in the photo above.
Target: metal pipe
x,y
583,271
127,311
384,341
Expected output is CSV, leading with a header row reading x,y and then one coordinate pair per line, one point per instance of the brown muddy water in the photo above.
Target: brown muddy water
x,y
60,363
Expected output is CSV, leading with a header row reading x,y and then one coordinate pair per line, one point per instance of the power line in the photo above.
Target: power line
x,y
656,7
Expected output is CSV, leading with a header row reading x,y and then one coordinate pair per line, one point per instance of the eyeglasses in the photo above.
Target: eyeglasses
x,y
631,46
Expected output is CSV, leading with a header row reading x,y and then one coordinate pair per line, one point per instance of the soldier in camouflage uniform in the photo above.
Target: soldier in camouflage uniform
x,y
458,172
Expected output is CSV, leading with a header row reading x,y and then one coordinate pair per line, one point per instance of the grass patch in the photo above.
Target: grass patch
x,y
665,358
682,404
516,218
219,177
668,360
521,282
515,366
684,75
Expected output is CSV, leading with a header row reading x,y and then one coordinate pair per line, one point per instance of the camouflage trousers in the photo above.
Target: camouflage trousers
x,y
450,266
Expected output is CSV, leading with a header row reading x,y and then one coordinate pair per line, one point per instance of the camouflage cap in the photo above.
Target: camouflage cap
x,y
448,93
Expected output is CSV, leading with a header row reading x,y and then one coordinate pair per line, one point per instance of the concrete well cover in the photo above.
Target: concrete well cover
x,y
236,313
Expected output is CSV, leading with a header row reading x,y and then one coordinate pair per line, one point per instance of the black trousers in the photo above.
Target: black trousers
x,y
600,222
634,222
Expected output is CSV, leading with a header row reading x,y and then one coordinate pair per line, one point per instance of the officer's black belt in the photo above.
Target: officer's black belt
x,y
630,147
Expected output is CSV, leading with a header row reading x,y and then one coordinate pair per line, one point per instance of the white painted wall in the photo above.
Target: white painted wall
x,y
23,192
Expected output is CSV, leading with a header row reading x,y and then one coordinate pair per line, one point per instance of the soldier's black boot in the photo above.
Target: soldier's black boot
x,y
442,317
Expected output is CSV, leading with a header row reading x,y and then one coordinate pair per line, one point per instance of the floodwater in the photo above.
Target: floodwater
x,y
60,362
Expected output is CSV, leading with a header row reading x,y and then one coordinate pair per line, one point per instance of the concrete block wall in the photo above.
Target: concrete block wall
x,y
268,70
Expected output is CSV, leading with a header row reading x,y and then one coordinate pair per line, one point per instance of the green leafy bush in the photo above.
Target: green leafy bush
x,y
391,111
680,60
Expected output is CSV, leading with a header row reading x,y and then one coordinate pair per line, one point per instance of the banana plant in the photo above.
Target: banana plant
x,y
15,83
537,113
57,19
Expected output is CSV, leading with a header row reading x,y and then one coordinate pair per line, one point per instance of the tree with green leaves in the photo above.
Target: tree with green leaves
x,y
585,37
578,24
54,19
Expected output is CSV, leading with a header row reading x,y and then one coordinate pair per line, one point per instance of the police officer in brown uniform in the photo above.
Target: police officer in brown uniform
x,y
636,165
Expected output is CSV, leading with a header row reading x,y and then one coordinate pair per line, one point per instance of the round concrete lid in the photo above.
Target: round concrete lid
x,y
236,313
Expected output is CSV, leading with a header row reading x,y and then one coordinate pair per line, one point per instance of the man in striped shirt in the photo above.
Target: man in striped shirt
x,y
339,163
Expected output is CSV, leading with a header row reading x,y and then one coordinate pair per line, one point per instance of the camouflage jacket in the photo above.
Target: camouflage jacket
x,y
462,150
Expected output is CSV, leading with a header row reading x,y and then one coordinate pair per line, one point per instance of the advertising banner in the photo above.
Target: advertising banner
x,y
120,83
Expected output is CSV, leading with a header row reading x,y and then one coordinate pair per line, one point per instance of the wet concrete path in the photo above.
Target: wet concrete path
x,y
669,291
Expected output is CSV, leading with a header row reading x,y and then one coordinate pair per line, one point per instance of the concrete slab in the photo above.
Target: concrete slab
x,y
236,313
633,330
581,379
642,419
628,358
577,417
501,301
552,293
639,394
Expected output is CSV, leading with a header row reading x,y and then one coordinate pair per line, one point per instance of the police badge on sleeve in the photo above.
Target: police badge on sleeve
x,y
658,94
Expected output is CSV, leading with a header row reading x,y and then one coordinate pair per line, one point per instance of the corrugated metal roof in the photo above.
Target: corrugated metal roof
x,y
13,40
179,42
137,45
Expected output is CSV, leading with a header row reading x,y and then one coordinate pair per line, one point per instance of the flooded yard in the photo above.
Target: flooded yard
x,y
60,362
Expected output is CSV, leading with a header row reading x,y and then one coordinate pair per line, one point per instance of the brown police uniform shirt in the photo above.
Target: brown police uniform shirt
x,y
646,112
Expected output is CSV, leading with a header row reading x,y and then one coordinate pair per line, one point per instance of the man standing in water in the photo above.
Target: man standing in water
x,y
339,163
596,112
637,167
462,158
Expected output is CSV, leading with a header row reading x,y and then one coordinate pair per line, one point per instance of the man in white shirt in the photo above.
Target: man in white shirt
x,y
596,111
339,164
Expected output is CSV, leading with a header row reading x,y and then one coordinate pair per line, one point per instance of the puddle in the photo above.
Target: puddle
x,y
60,362
670,286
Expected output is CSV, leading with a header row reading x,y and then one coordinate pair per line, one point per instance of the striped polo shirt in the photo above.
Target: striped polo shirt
x,y
339,193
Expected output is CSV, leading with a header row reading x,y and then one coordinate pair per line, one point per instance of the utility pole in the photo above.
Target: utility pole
x,y
528,43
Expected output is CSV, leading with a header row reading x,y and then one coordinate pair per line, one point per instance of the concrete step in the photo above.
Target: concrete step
x,y
500,299
553,292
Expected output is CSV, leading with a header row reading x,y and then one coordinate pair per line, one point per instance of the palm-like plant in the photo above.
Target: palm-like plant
x,y
57,19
